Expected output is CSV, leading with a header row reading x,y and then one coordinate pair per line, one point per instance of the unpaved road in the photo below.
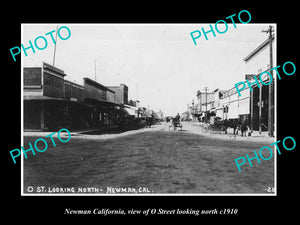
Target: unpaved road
x,y
155,161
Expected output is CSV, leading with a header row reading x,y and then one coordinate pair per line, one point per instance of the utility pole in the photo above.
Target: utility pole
x,y
205,104
271,87
193,110
260,107
137,91
55,46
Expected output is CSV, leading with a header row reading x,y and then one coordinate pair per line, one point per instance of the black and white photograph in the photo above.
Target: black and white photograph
x,y
149,109
185,110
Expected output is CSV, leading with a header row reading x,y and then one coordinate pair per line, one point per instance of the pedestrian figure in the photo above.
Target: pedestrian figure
x,y
176,121
243,128
177,117
148,122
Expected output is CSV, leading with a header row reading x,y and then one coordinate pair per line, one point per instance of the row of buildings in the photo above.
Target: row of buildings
x,y
51,102
252,106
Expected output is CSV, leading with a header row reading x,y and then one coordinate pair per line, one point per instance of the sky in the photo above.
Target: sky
x,y
159,63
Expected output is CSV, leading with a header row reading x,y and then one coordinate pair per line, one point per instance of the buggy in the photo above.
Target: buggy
x,y
175,123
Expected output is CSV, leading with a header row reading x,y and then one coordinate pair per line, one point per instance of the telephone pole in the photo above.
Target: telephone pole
x,y
271,86
260,107
206,104
55,46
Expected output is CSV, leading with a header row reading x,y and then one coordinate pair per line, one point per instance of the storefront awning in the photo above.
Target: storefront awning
x,y
131,110
99,103
41,97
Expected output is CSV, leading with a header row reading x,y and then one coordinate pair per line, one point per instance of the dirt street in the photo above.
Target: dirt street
x,y
148,161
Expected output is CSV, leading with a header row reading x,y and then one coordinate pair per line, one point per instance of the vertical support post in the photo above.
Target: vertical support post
x,y
259,115
252,110
271,87
271,91
55,46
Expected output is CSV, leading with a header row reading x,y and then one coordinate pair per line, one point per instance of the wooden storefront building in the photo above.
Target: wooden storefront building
x,y
51,102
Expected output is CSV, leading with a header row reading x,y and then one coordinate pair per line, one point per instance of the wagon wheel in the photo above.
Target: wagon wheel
x,y
222,128
219,128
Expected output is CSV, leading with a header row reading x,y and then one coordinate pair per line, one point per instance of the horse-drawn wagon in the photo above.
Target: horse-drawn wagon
x,y
175,123
215,125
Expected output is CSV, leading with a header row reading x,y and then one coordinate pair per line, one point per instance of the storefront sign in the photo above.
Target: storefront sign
x,y
73,99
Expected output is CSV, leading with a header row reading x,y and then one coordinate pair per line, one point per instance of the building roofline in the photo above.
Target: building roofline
x,y
47,66
115,86
73,83
95,83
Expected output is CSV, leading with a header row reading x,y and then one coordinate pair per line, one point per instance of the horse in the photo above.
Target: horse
x,y
232,124
243,127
